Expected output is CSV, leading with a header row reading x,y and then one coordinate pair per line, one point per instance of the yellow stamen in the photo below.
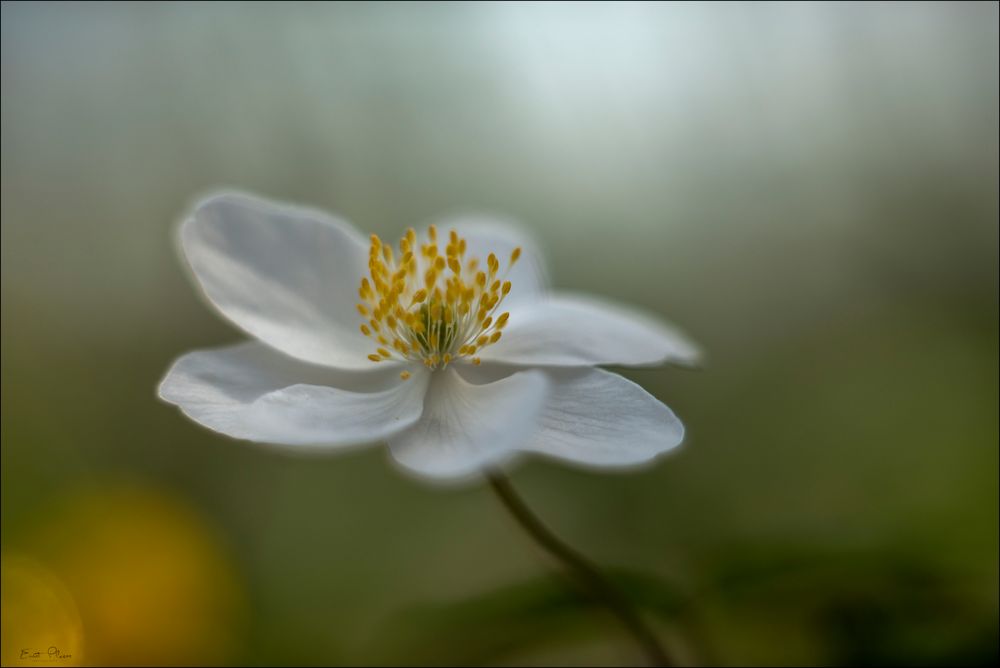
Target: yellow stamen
x,y
431,306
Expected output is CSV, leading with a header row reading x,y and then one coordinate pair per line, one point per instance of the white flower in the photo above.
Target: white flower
x,y
456,354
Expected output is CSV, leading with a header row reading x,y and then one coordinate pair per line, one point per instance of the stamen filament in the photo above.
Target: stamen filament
x,y
434,308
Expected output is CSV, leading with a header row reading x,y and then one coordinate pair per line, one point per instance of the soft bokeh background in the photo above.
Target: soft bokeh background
x,y
809,190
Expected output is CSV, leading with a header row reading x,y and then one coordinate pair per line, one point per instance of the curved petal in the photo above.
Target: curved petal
x,y
286,275
466,427
571,330
485,235
251,392
598,418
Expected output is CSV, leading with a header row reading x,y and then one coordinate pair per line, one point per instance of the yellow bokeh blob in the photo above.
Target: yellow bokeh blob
x,y
41,624
149,578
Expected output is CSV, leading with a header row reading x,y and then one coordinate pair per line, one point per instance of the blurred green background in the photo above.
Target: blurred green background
x,y
809,190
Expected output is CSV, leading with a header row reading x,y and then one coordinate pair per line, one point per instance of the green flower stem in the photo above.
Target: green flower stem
x,y
582,571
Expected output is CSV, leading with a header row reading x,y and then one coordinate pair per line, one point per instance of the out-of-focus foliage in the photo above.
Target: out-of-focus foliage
x,y
808,189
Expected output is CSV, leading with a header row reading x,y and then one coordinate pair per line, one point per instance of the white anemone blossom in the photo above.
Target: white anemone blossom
x,y
449,347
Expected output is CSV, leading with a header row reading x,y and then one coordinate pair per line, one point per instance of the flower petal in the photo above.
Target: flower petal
x,y
466,428
598,418
286,275
571,330
485,235
251,392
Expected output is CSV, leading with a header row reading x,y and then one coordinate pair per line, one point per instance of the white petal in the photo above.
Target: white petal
x,y
601,419
466,428
570,330
286,275
485,235
251,392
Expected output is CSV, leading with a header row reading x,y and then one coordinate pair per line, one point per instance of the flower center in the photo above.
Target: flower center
x,y
429,307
